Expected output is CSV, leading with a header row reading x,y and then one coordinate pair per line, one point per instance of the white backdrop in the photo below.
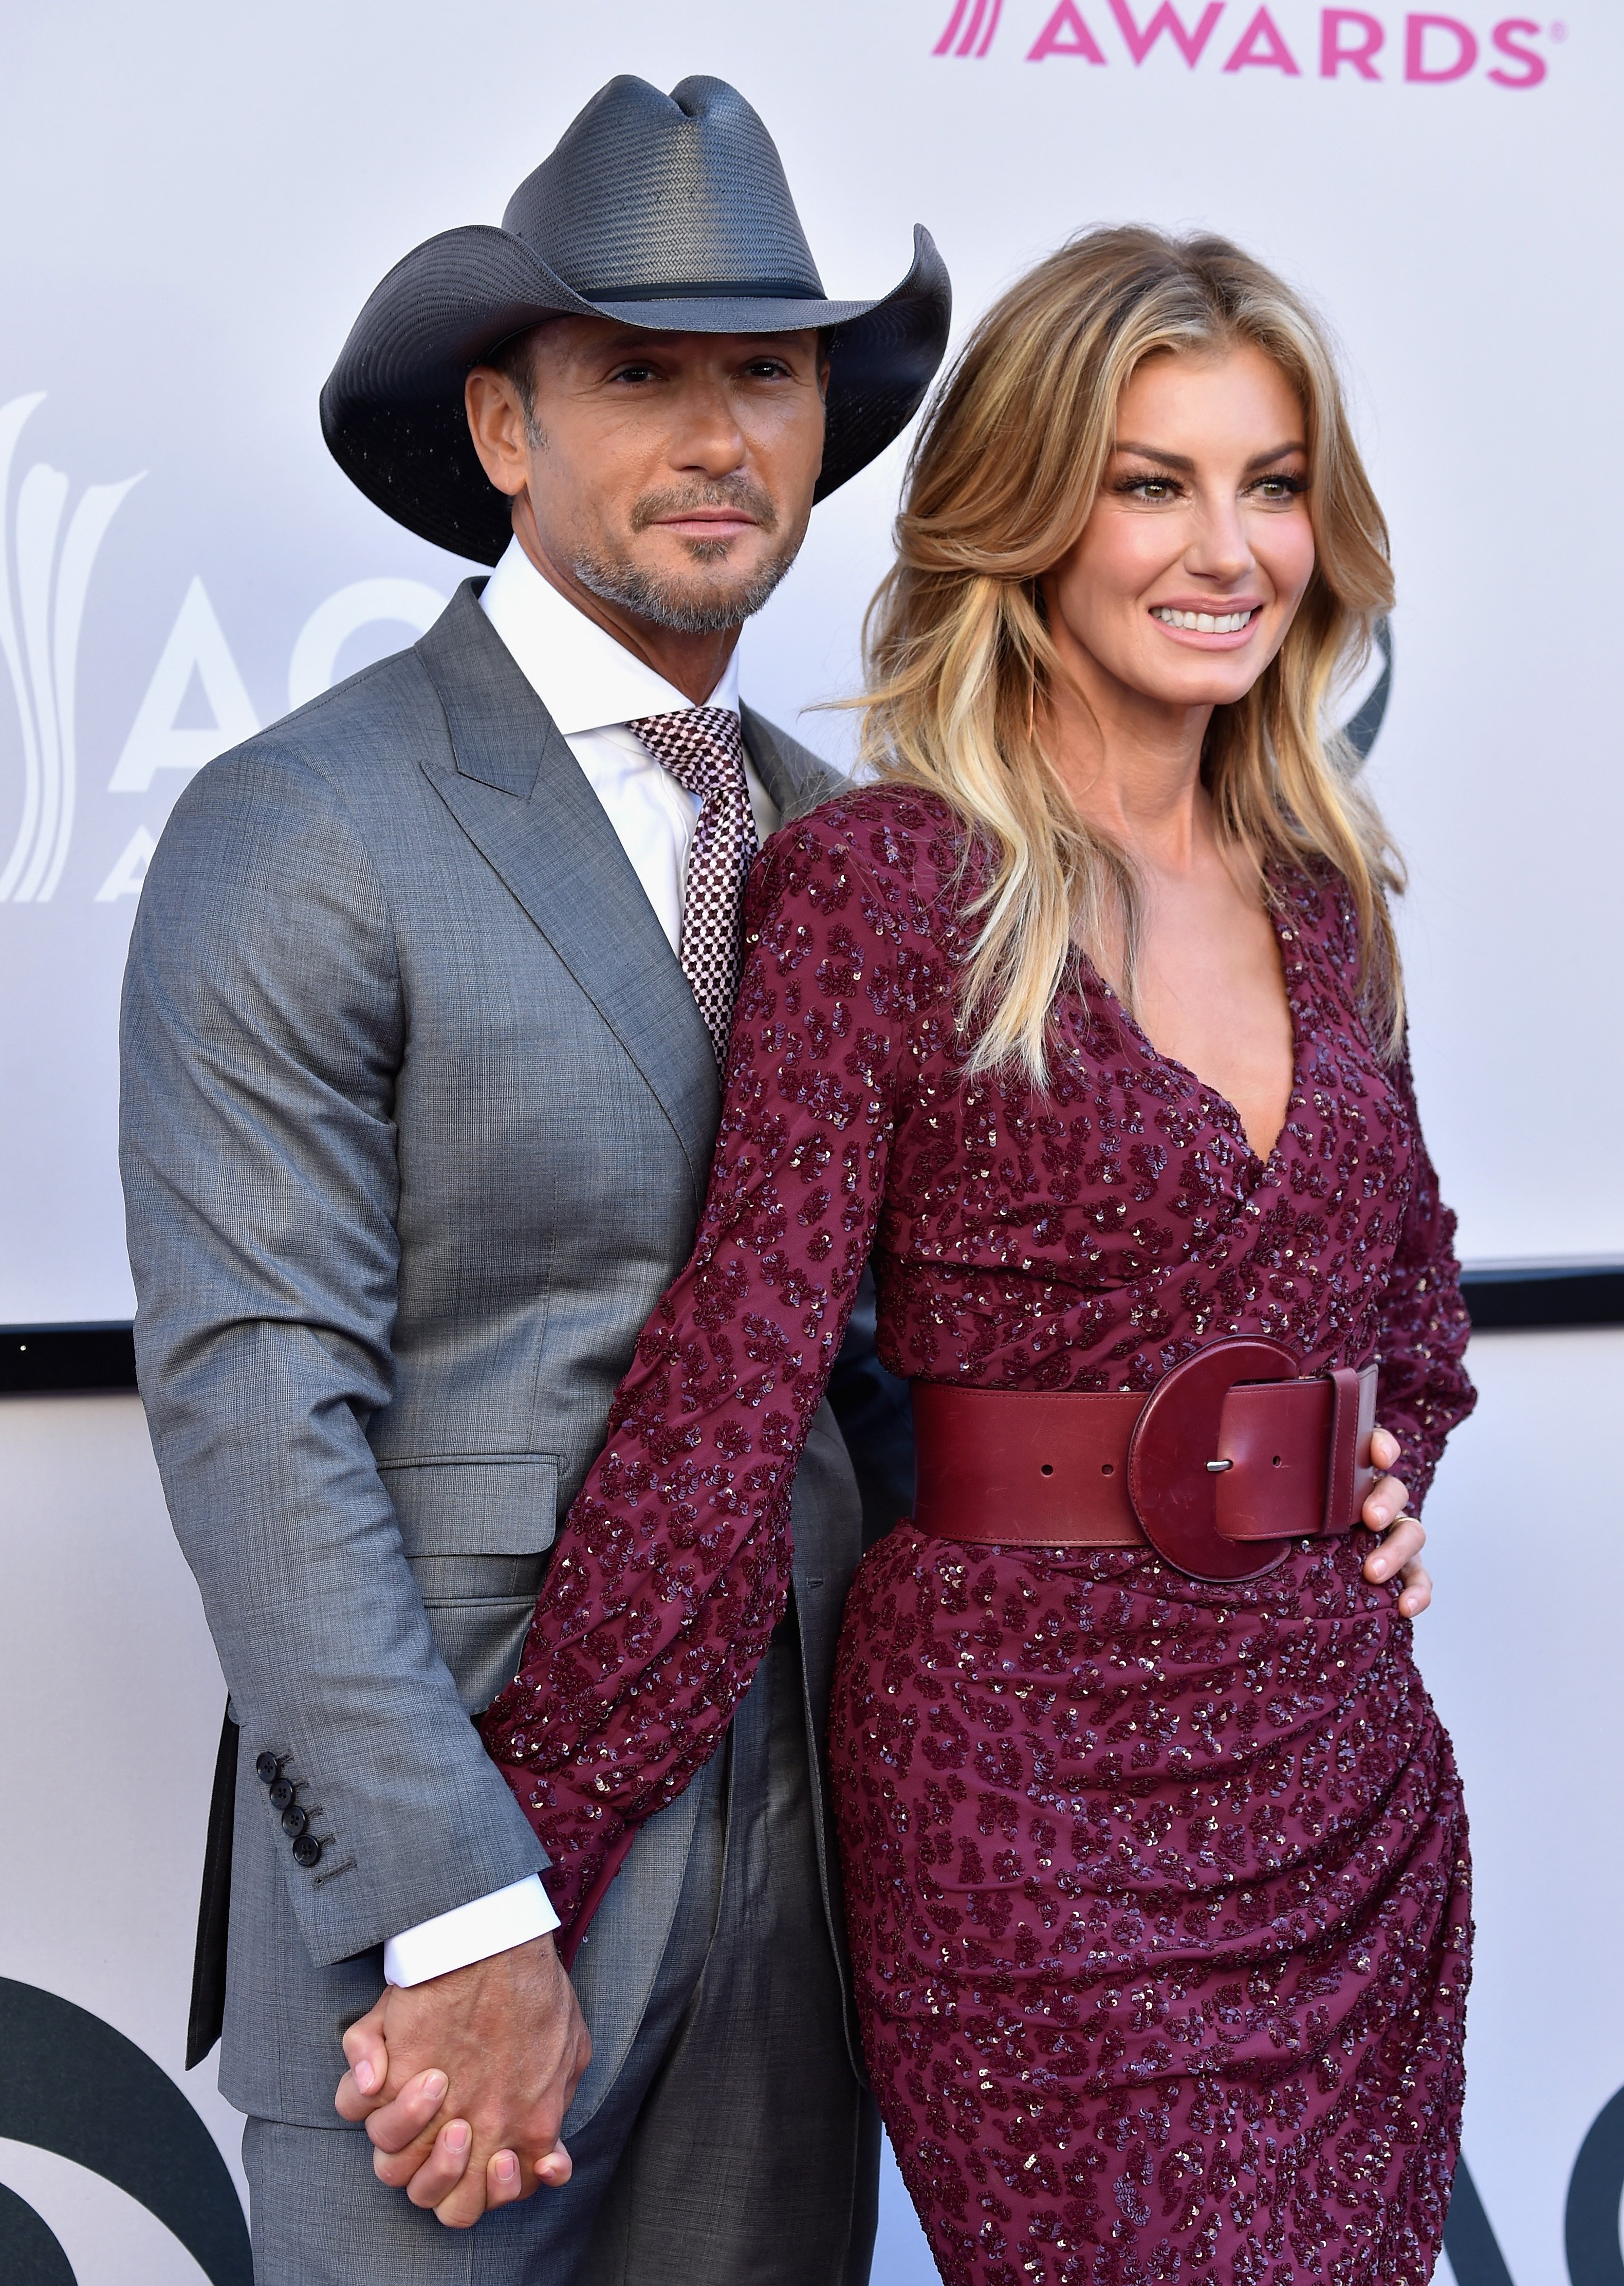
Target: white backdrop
x,y
198,198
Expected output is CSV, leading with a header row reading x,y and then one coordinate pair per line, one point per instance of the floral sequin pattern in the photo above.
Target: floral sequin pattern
x,y
1157,1892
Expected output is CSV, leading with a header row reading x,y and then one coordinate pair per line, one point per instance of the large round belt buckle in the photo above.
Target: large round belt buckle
x,y
1174,1493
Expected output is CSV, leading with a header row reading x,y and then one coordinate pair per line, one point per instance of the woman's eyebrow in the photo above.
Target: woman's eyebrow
x,y
1155,453
1187,466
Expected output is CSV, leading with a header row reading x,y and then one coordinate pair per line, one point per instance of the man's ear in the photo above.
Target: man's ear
x,y
497,423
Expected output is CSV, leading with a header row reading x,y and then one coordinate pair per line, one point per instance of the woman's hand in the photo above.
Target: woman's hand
x,y
1399,1547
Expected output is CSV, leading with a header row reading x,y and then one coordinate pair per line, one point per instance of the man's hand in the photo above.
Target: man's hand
x,y
464,2081
1400,1548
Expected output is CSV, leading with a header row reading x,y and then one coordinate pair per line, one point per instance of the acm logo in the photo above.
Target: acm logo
x,y
46,560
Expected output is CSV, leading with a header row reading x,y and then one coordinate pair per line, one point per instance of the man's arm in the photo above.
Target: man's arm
x,y
875,1413
262,1027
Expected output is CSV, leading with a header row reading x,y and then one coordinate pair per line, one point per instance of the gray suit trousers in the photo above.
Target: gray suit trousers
x,y
729,2145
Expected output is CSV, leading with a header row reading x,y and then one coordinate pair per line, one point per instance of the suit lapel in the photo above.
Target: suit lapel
x,y
791,791
518,794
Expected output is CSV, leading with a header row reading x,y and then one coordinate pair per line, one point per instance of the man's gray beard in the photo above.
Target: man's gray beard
x,y
668,602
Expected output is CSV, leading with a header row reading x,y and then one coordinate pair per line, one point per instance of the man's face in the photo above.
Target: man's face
x,y
670,475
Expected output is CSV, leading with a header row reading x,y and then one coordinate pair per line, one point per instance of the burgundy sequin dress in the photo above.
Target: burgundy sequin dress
x,y
1158,1891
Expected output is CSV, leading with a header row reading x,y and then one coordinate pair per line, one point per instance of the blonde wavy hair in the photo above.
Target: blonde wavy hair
x,y
959,659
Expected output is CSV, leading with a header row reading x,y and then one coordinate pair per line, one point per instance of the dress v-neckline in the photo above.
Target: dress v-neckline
x,y
1264,1161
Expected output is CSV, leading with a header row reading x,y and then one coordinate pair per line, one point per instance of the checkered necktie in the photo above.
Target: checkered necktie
x,y
703,748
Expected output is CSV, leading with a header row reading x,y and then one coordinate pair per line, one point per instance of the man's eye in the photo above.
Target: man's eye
x,y
634,372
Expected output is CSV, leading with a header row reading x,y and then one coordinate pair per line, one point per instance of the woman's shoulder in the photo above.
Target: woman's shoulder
x,y
901,835
880,864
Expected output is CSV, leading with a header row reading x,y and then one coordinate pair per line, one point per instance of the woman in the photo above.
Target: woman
x,y
1086,1016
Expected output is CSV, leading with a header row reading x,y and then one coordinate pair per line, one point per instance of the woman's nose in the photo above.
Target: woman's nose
x,y
1220,548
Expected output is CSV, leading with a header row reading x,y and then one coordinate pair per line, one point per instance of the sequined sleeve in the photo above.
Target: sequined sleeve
x,y
673,1564
1424,1391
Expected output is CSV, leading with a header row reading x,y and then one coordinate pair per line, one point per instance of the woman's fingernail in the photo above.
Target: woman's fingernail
x,y
366,2078
507,2167
434,2084
457,2136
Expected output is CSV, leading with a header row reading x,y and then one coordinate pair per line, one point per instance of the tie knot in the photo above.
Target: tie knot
x,y
703,747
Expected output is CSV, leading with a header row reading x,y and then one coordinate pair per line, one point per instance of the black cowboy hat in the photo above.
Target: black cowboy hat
x,y
669,211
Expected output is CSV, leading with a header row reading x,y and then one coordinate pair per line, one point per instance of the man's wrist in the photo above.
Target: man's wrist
x,y
468,1933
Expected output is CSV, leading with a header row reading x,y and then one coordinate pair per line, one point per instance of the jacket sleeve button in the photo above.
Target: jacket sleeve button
x,y
281,1794
295,1820
266,1768
307,1851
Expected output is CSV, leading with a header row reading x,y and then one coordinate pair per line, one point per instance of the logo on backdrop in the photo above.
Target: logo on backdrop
x,y
74,2086
39,635
40,619
1429,51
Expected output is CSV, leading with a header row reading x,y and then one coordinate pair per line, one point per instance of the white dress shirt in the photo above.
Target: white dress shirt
x,y
592,687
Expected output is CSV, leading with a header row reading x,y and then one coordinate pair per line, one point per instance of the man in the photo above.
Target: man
x,y
425,1002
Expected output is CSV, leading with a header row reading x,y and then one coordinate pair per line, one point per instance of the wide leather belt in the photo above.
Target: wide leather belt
x,y
1230,1458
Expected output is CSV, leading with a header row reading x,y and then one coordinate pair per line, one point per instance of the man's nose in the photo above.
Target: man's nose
x,y
705,433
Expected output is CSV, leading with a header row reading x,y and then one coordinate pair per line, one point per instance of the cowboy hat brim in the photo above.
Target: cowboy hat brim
x,y
392,410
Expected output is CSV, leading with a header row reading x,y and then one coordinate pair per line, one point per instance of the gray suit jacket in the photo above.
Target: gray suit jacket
x,y
417,1115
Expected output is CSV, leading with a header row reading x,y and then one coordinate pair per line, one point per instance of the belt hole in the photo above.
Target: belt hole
x,y
1277,1459
1048,1467
1107,1468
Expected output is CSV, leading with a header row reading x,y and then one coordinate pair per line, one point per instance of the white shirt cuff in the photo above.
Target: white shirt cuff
x,y
469,1932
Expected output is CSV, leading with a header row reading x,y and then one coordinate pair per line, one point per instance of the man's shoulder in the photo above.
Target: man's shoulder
x,y
354,741
805,779
361,721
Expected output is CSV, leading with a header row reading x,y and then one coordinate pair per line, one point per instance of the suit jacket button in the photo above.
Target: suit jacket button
x,y
295,1820
267,1769
281,1794
307,1851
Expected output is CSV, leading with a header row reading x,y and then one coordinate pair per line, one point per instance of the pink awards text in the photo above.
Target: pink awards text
x,y
1428,50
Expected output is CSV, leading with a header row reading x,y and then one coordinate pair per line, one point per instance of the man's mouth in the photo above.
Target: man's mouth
x,y
708,514
706,522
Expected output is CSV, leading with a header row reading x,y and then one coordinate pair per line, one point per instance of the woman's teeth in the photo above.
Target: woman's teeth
x,y
1204,622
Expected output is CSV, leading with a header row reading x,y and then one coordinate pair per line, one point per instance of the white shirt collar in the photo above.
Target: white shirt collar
x,y
584,678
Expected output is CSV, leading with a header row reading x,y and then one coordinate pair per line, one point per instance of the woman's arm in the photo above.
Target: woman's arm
x,y
674,1565
1424,1392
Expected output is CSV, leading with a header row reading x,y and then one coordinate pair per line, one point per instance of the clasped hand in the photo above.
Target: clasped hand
x,y
463,2082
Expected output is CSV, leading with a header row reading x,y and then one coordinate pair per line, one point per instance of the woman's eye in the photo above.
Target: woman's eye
x,y
1154,488
1280,488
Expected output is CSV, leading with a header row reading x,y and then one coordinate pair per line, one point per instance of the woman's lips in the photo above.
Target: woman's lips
x,y
1208,630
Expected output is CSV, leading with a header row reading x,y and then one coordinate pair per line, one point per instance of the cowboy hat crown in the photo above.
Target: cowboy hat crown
x,y
666,211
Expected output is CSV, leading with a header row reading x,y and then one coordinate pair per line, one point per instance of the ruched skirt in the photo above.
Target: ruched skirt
x,y
1159,1897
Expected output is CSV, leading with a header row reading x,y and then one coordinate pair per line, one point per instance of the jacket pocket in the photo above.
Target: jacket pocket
x,y
475,1503
481,1638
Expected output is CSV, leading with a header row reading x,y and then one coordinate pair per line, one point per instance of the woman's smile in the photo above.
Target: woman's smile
x,y
1213,629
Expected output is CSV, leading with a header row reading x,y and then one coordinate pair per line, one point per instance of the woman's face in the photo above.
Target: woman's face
x,y
1199,547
